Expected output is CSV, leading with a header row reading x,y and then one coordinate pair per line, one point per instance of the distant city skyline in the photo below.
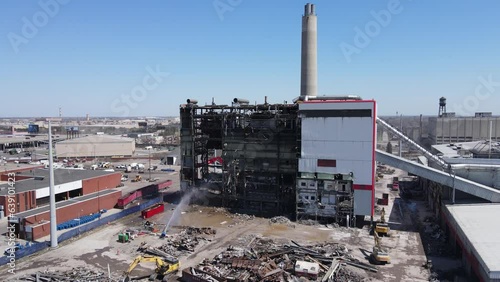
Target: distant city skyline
x,y
141,58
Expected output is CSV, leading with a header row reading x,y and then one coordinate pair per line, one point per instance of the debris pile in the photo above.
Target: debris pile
x,y
186,241
382,169
264,260
281,220
434,238
242,217
76,274
308,222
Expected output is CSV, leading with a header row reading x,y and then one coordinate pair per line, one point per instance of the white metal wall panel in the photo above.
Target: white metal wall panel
x,y
338,129
348,140
363,202
354,150
70,186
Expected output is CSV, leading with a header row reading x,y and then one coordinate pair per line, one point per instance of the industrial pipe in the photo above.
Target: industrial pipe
x,y
192,101
241,101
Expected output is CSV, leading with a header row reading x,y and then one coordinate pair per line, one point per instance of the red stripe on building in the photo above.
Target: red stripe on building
x,y
374,141
362,187
327,163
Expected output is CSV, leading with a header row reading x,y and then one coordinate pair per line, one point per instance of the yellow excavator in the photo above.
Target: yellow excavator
x,y
162,268
382,227
137,178
379,255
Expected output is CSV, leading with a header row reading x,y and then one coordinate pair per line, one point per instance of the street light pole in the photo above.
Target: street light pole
x,y
149,151
53,219
98,201
401,130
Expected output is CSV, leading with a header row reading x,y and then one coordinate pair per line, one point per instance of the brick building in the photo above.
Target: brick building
x,y
30,189
78,193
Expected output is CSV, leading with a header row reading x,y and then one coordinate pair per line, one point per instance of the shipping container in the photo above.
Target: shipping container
x,y
159,208
127,199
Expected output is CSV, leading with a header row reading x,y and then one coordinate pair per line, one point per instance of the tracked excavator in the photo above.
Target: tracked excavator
x,y
162,268
379,255
382,227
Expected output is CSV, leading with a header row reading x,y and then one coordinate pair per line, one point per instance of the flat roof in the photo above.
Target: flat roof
x,y
476,222
21,139
10,166
446,150
61,176
64,203
98,139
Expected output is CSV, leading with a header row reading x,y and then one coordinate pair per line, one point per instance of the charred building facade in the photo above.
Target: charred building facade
x,y
244,156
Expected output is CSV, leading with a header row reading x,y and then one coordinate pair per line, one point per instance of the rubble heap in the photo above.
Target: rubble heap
x,y
79,274
186,241
281,220
264,260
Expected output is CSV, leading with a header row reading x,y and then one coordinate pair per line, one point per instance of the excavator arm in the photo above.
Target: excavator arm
x,y
162,267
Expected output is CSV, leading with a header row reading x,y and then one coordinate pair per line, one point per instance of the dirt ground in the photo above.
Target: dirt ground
x,y
99,249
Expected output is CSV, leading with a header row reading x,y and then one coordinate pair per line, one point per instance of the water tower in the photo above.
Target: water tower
x,y
442,106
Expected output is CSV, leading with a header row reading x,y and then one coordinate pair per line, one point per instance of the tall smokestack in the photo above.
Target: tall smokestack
x,y
309,64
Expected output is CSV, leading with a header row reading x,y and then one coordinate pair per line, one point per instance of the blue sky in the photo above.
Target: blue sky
x,y
88,56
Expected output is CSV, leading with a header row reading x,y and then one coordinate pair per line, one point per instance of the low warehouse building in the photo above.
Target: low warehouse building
x,y
31,189
474,234
95,146
35,224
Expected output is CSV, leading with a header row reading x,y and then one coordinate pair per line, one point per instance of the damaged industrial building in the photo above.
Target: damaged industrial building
x,y
313,158
244,155
310,159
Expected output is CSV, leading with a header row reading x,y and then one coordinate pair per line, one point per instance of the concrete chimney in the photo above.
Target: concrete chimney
x,y
309,59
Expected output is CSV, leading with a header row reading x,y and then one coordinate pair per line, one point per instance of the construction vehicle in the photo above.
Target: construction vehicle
x,y
379,255
150,226
395,183
382,227
163,268
137,178
125,237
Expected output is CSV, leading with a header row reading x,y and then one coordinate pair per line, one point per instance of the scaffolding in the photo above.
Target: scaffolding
x,y
258,148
